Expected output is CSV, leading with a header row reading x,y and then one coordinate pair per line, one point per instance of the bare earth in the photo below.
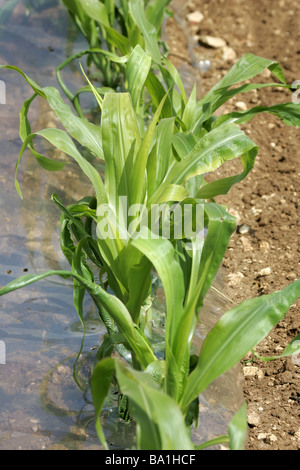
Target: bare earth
x,y
267,256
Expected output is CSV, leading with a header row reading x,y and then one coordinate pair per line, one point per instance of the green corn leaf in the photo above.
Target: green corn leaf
x,y
93,89
80,17
183,143
190,109
151,409
136,276
244,69
173,193
221,144
235,334
37,89
162,255
121,138
213,442
223,185
137,71
238,428
63,142
95,10
101,380
138,173
148,405
221,226
248,67
137,12
157,92
222,95
86,133
25,130
206,258
155,12
289,113
174,75
160,158
70,226
293,348
113,306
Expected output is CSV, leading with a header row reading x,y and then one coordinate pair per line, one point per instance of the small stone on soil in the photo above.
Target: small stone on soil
x,y
210,41
195,17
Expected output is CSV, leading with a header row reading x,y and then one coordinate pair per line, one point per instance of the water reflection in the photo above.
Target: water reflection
x,y
39,324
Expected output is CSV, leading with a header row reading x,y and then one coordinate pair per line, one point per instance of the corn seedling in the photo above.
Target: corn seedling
x,y
153,214
113,28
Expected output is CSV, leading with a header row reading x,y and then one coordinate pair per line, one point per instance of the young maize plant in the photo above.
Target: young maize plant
x,y
112,29
164,164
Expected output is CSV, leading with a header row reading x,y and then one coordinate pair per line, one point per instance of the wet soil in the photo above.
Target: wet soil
x,y
266,257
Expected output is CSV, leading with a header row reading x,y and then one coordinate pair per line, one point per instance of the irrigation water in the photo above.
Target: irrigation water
x,y
41,405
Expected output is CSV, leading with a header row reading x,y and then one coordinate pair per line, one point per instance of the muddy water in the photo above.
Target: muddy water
x,y
41,405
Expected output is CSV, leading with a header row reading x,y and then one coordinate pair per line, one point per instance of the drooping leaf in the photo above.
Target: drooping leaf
x,y
289,113
211,151
63,142
235,334
293,348
116,309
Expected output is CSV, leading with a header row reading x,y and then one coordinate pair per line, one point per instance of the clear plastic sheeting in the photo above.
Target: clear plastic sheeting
x,y
45,400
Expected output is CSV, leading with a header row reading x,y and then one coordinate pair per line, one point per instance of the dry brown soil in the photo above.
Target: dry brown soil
x,y
267,257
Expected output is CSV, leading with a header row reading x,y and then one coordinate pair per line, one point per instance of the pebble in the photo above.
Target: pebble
x,y
235,279
253,418
251,371
229,53
264,246
241,105
242,229
291,276
255,211
246,244
286,377
213,42
270,438
195,17
265,272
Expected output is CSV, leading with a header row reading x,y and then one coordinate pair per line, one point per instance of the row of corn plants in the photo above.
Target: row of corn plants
x,y
158,145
